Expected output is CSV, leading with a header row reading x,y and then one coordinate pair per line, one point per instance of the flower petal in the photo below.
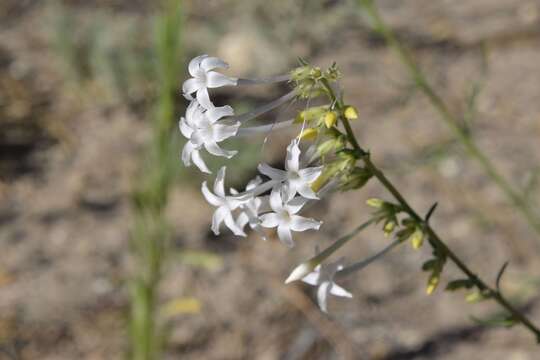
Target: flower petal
x,y
285,236
272,173
293,157
300,223
219,183
311,278
293,206
339,291
305,190
195,63
185,129
275,199
310,174
270,220
322,295
199,162
203,98
187,151
211,63
215,79
191,85
222,132
211,198
231,224
217,218
252,184
215,150
242,220
216,113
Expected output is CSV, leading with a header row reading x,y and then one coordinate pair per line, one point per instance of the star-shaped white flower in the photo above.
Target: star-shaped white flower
x,y
250,209
284,216
323,277
225,205
203,129
203,78
295,179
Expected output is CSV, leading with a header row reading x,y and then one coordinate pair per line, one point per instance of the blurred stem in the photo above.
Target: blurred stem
x,y
151,233
515,196
436,241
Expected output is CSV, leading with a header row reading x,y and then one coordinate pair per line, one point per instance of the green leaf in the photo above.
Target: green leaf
x,y
504,320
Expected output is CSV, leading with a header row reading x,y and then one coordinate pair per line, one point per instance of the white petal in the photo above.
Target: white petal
x,y
193,114
217,219
311,278
242,220
339,291
275,200
215,79
254,183
305,190
211,63
211,198
231,224
284,234
310,174
219,183
270,220
216,113
293,156
203,98
191,85
222,132
295,205
187,151
322,295
185,129
272,173
214,149
195,63
300,223
199,162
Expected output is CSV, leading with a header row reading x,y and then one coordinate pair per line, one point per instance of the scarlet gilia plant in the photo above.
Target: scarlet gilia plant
x,y
325,156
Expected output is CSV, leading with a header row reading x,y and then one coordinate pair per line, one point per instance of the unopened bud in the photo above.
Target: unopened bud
x,y
374,202
350,113
301,271
309,134
417,239
432,283
330,119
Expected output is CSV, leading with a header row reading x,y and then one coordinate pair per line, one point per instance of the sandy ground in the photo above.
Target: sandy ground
x,y
67,165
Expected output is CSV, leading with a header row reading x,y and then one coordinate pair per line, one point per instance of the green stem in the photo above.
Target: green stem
x,y
435,238
515,196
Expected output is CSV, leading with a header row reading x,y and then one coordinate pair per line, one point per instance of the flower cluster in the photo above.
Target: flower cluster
x,y
275,198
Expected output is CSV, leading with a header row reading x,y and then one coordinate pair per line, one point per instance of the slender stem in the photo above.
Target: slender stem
x,y
365,262
435,238
515,196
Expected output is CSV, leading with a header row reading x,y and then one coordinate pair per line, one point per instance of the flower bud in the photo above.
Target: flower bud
x,y
350,113
432,283
374,202
330,119
309,134
417,239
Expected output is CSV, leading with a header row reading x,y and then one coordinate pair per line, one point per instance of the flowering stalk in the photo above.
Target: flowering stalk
x,y
516,198
439,246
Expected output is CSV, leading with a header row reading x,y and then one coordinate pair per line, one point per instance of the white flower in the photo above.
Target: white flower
x,y
284,216
225,205
323,277
203,78
296,180
250,209
203,129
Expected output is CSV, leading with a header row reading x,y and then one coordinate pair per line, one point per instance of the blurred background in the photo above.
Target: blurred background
x,y
106,249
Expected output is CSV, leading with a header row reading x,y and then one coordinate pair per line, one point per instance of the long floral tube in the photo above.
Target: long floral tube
x,y
250,115
264,128
269,80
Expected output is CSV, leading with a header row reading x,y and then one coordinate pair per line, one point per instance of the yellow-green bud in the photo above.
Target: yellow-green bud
x,y
309,134
350,113
374,202
432,283
330,119
417,239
